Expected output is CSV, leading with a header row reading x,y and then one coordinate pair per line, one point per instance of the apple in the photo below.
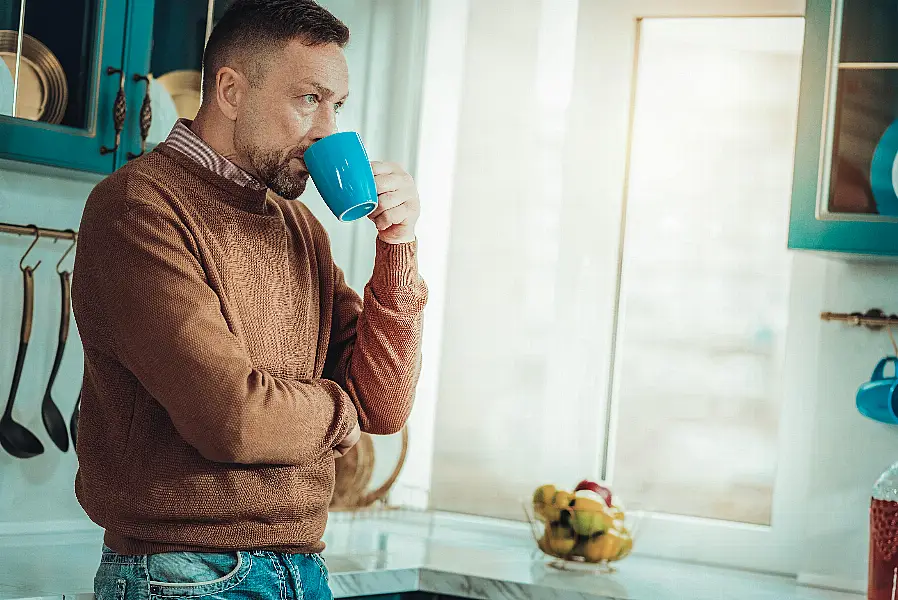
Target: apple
x,y
594,487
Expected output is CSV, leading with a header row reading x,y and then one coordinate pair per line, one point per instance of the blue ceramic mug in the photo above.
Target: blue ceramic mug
x,y
877,399
340,168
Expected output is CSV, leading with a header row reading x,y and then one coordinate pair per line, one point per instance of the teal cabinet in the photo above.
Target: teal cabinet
x,y
98,82
59,81
102,81
844,197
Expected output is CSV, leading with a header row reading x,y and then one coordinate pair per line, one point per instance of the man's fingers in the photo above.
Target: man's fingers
x,y
390,182
392,216
383,167
352,438
386,201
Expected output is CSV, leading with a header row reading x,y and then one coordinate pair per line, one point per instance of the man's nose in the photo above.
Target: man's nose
x,y
325,123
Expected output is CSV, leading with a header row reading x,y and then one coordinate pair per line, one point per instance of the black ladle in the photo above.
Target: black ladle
x,y
15,438
50,413
73,424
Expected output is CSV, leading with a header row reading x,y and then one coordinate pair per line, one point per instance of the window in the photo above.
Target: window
x,y
618,290
705,280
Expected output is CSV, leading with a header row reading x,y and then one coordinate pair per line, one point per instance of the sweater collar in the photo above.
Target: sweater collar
x,y
249,199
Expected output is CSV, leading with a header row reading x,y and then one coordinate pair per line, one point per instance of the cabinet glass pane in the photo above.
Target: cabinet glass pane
x,y
180,30
52,77
868,31
863,173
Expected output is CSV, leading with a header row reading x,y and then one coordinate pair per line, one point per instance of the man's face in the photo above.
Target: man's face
x,y
292,104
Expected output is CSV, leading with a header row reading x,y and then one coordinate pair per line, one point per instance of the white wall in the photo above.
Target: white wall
x,y
848,451
38,492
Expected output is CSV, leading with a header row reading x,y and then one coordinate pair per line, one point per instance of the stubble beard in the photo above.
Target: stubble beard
x,y
276,174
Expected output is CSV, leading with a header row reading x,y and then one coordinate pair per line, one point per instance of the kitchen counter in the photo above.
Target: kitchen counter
x,y
400,551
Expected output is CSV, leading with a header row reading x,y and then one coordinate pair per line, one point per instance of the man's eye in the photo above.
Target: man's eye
x,y
338,107
311,99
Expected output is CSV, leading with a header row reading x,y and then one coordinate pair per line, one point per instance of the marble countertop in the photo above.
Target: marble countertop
x,y
393,552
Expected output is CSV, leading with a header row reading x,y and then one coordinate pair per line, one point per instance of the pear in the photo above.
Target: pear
x,y
562,499
580,548
542,502
561,539
626,547
543,544
606,546
558,503
544,494
589,517
564,517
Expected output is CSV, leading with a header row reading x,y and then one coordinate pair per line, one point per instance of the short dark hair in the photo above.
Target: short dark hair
x,y
250,29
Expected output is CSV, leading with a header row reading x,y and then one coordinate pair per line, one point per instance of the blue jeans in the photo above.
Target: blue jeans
x,y
254,574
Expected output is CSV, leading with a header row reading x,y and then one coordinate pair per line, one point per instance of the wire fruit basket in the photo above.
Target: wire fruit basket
x,y
584,529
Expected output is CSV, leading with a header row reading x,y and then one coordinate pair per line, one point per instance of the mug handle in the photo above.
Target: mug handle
x,y
880,368
892,408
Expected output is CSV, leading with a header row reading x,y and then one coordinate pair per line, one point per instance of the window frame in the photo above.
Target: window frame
x,y
606,70
603,101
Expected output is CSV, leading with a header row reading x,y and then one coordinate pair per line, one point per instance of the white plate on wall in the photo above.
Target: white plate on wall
x,y
165,113
6,89
184,86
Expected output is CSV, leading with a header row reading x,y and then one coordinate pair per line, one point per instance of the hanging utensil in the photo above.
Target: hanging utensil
x,y
73,425
15,438
50,413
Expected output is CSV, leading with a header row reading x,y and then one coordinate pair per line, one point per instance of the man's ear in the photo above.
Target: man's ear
x,y
230,88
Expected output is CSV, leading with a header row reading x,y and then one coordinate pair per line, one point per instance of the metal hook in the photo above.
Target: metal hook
x,y
37,237
75,243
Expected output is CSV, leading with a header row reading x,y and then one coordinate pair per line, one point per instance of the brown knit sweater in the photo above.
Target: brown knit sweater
x,y
225,357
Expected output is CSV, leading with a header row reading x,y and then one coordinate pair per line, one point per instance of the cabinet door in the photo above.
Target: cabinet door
x,y
164,57
845,188
59,81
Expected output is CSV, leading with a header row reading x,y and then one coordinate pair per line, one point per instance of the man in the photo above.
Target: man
x,y
227,361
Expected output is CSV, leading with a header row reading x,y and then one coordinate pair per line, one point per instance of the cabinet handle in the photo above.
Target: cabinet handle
x,y
118,109
146,117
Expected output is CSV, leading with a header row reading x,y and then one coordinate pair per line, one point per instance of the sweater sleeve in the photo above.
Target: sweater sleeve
x,y
375,350
170,333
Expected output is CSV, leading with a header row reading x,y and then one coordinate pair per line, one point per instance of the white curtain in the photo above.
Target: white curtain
x,y
518,402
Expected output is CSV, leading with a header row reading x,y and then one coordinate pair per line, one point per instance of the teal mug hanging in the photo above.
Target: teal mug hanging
x,y
877,399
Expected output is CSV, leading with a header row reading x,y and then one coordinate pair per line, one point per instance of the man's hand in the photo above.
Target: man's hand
x,y
348,442
398,206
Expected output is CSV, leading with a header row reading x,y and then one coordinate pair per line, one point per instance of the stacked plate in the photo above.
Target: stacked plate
x,y
43,92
